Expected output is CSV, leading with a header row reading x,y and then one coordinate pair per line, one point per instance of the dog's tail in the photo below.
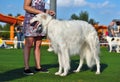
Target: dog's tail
x,y
92,50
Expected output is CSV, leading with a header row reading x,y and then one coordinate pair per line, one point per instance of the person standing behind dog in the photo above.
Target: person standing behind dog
x,y
20,36
117,31
111,29
33,7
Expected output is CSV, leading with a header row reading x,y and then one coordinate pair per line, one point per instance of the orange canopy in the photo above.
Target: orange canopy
x,y
10,19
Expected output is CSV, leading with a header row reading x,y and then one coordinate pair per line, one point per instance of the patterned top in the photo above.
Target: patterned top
x,y
28,29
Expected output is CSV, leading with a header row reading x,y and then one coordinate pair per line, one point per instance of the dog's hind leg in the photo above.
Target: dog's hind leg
x,y
98,65
94,45
81,54
80,65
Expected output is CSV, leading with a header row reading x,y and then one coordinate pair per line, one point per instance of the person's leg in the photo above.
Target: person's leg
x,y
22,39
18,40
37,54
5,45
27,48
37,45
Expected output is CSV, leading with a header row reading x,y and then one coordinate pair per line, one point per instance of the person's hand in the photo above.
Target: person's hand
x,y
51,12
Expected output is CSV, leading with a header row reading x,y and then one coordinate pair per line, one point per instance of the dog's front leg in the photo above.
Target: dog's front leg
x,y
60,65
118,49
110,48
66,62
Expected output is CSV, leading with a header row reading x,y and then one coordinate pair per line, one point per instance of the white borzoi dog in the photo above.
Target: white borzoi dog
x,y
71,38
113,42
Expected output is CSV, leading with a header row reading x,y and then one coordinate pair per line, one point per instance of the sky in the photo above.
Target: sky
x,y
102,11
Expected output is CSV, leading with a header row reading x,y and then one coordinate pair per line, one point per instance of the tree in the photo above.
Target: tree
x,y
1,27
5,29
6,34
9,14
75,17
18,15
92,21
84,16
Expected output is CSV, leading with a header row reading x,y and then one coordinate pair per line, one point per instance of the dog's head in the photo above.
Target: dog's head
x,y
43,20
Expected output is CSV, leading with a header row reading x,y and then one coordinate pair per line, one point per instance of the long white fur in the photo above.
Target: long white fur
x,y
70,38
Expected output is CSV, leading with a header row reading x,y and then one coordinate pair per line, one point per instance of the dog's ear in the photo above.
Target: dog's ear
x,y
44,17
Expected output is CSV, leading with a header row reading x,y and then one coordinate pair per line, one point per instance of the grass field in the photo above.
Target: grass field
x,y
11,68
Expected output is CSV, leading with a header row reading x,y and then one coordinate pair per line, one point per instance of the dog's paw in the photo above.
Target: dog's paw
x,y
76,71
63,74
57,73
97,73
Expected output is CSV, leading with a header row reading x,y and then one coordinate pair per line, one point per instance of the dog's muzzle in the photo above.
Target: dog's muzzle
x,y
39,29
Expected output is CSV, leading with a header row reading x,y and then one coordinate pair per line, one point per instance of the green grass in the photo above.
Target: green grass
x,y
11,68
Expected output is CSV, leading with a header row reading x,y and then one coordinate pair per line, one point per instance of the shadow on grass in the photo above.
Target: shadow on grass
x,y
11,75
18,73
75,63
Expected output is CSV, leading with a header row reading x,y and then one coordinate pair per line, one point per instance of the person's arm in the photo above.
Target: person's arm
x,y
118,30
29,9
112,31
